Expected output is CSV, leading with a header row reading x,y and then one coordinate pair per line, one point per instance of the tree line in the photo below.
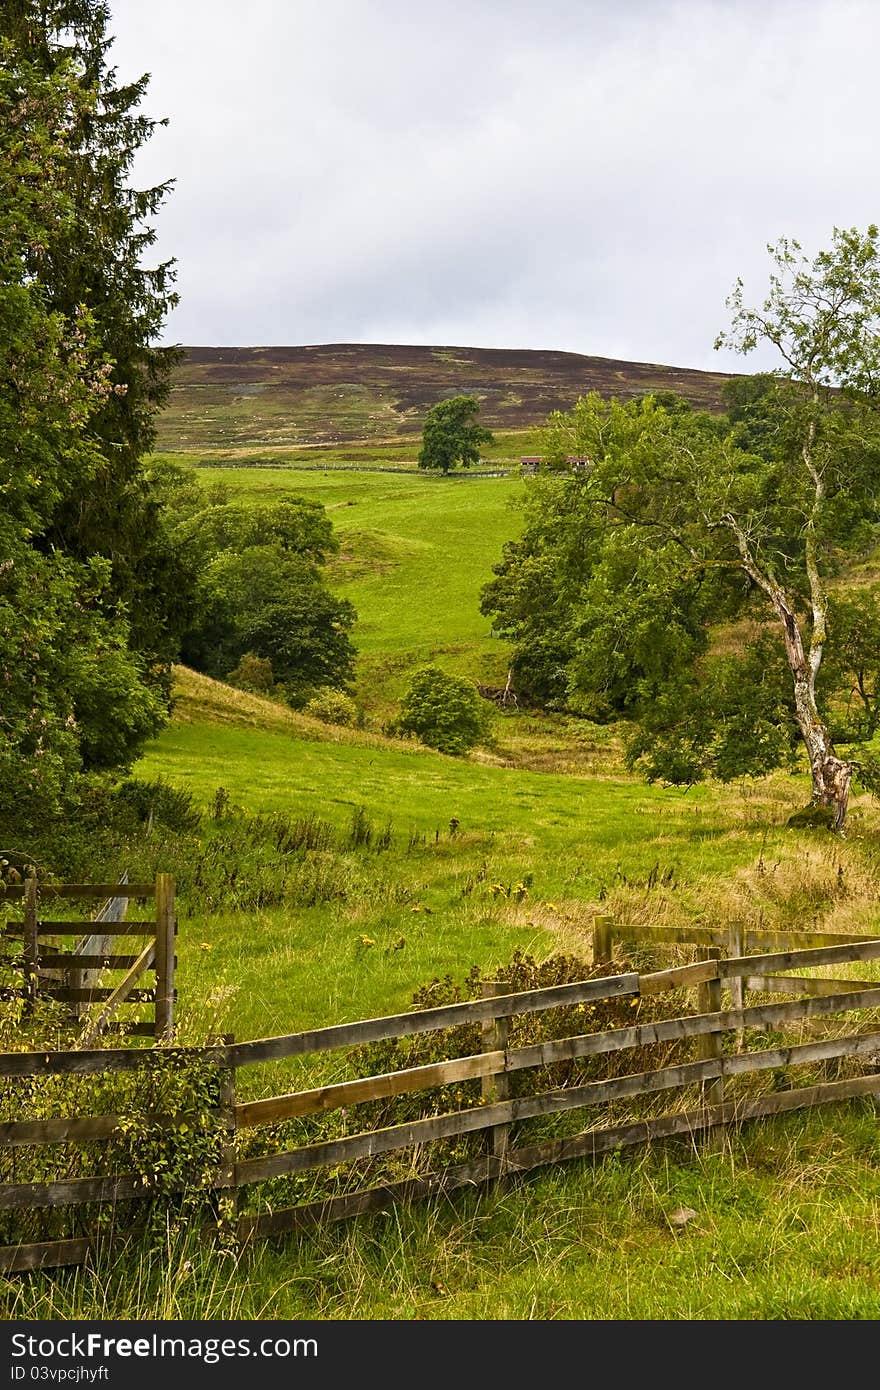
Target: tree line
x,y
111,567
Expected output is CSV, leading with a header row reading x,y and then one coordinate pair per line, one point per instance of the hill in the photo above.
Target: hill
x,y
338,392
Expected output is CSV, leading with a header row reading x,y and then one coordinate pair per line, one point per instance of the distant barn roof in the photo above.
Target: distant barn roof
x,y
532,459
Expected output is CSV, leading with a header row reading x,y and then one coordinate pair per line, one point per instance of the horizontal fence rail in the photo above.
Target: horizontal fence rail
x,y
716,1032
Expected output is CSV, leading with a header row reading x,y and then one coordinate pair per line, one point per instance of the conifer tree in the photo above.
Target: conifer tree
x,y
98,257
87,628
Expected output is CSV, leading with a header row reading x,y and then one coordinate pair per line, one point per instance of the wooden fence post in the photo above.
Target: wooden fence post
x,y
166,927
603,940
736,949
31,944
494,1037
226,1100
711,1045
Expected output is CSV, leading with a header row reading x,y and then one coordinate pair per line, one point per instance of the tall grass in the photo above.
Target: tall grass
x,y
781,1225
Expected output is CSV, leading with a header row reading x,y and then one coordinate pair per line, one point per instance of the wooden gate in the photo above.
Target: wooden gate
x,y
74,974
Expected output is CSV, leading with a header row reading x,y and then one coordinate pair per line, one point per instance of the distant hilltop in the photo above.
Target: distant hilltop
x,y
360,392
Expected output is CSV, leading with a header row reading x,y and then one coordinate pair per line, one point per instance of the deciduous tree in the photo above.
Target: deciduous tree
x,y
444,711
450,437
688,569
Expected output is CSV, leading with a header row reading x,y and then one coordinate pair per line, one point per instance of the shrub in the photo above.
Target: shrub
x,y
444,711
332,707
253,673
159,802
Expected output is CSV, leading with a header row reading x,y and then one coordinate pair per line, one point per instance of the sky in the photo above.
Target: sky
x,y
584,175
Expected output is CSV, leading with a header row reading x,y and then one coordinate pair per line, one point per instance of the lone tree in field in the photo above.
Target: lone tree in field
x,y
450,437
444,711
685,579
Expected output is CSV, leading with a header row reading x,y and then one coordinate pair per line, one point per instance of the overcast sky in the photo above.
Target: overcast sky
x,y
587,175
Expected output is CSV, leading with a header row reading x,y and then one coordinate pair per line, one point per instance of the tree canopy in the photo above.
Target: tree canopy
x,y
91,591
451,437
686,578
261,593
442,710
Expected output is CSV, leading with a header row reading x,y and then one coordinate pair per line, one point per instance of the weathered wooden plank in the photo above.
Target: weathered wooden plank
x,y
757,940
800,960
427,1020
353,1204
13,930
70,1129
395,1083
124,991
684,936
66,995
735,949
842,951
764,941
70,961
800,1054
711,1045
550,1102
63,1130
226,1116
95,1060
595,1143
166,926
691,1026
603,940
72,1193
494,1042
30,940
50,892
48,1254
801,984
680,976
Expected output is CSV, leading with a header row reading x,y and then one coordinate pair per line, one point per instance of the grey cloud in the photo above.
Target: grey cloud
x,y
583,176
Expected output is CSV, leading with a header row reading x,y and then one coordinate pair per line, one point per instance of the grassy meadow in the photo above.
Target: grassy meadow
x,y
572,843
415,550
431,865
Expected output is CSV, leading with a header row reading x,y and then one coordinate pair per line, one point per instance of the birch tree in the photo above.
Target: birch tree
x,y
684,578
822,318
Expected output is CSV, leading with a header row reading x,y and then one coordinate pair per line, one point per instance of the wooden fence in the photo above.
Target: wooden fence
x,y
72,977
710,1095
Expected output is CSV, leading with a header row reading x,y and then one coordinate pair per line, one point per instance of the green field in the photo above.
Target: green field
x,y
465,861
784,1218
415,551
579,845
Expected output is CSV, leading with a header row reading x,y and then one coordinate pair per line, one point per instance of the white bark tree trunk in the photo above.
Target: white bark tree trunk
x,y
831,775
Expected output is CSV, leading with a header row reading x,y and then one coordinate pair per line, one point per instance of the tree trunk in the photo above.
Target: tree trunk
x,y
831,775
